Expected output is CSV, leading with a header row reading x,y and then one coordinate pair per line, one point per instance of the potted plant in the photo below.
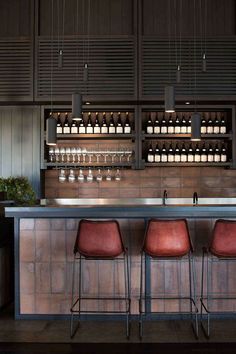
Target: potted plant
x,y
18,189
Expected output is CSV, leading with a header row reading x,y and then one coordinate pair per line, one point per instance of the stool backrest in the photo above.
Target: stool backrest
x,y
99,239
223,242
167,238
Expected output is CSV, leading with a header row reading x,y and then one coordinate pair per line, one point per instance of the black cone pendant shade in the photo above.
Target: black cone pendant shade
x,y
169,99
76,106
196,127
51,131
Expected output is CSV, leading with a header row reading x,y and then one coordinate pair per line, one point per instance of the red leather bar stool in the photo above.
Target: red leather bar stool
x,y
167,240
99,240
222,248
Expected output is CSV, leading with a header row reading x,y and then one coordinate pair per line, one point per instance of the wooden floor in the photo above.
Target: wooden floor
x,y
172,336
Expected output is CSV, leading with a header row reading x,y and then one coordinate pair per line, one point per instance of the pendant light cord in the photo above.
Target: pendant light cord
x,y
195,63
51,78
169,33
77,45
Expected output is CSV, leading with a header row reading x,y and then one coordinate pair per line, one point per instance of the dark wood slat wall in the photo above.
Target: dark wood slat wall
x,y
20,143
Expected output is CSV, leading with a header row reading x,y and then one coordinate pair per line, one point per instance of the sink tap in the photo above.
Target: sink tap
x,y
195,198
164,197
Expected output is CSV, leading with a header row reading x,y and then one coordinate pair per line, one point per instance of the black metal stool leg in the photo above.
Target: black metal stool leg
x,y
141,300
194,298
127,293
73,304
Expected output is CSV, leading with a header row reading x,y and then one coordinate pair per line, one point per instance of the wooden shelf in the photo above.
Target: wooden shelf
x,y
188,164
186,136
94,136
87,164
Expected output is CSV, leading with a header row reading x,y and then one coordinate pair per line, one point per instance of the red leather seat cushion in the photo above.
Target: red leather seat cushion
x,y
223,242
99,239
167,238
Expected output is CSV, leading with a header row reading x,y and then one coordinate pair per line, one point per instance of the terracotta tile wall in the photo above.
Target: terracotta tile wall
x,y
150,182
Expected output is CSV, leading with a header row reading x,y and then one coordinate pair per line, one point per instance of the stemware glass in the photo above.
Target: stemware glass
x,y
62,176
73,153
117,175
51,154
90,175
97,155
78,151
84,153
90,155
80,176
57,154
68,151
99,176
62,154
108,175
71,177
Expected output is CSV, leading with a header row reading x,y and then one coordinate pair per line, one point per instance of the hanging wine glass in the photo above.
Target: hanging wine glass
x,y
57,154
78,151
84,153
71,177
117,175
90,175
80,176
73,153
99,176
62,176
51,154
68,151
108,175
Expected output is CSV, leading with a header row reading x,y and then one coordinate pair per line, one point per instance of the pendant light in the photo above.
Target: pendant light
x,y
196,117
169,89
51,123
76,106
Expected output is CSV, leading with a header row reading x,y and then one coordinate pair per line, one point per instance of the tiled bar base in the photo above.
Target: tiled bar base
x,y
46,255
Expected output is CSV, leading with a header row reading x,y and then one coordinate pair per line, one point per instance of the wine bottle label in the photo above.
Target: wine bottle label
x,y
97,130
204,158
127,130
164,130
209,130
157,158
89,130
190,158
189,129
183,158
119,130
104,130
183,130
149,130
59,130
210,158
216,129
223,130
203,130
171,158
217,158
112,130
177,130
81,130
150,158
197,158
66,130
157,130
163,158
170,130
74,130
177,158
223,158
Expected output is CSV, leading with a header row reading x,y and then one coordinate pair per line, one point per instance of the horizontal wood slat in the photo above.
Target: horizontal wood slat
x,y
161,57
110,61
16,70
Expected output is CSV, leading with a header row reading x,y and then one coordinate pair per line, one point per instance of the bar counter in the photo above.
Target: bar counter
x,y
45,236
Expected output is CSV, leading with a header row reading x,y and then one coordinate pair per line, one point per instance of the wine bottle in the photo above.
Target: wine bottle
x,y
222,125
163,153
157,128
210,154
89,128
197,156
183,126
223,154
203,126
119,126
97,128
157,156
170,127
149,127
190,155
104,127
81,127
59,124
203,154
150,156
217,154
189,125
163,125
177,125
112,128
183,154
66,126
209,128
216,125
127,126
74,127
177,153
170,155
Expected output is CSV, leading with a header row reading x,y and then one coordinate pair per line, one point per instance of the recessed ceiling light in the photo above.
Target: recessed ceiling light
x,y
187,102
87,102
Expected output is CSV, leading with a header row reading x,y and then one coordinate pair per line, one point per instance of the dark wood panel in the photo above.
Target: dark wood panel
x,y
105,17
220,17
16,18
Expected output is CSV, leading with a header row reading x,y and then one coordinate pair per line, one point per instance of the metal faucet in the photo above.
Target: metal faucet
x,y
164,197
195,198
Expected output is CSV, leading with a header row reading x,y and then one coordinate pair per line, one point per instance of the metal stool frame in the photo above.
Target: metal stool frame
x,y
126,297
210,259
148,298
